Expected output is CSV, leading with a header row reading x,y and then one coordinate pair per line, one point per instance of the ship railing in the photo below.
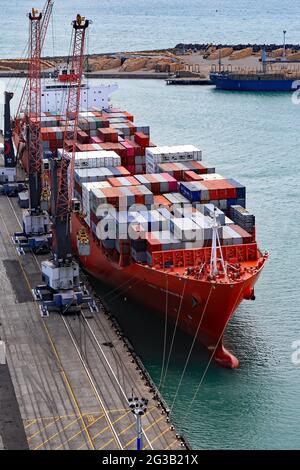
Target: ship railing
x,y
198,256
254,71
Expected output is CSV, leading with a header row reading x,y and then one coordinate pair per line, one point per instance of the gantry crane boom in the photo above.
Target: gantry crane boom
x,y
33,117
62,197
35,235
63,291
46,15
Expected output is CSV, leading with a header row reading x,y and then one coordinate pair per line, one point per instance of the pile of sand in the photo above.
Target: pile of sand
x,y
159,64
104,63
224,52
294,56
278,52
21,64
132,65
241,54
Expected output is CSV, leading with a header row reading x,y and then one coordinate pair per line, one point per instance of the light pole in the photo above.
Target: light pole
x,y
283,51
138,407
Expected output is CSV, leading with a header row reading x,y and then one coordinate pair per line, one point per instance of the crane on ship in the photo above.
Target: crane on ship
x,y
63,291
36,234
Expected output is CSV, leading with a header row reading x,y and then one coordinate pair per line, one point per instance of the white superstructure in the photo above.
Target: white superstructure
x,y
55,96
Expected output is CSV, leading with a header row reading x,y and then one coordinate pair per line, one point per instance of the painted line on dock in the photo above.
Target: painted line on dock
x,y
66,379
62,371
107,427
79,432
42,429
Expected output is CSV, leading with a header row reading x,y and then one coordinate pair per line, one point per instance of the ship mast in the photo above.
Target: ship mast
x,y
216,244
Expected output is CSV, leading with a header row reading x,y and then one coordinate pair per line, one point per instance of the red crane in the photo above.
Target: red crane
x,y
63,180
63,290
35,235
33,117
46,15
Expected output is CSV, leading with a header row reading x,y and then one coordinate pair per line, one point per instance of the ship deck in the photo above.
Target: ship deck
x,y
70,376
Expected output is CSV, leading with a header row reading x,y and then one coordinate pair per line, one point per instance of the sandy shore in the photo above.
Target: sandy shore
x,y
149,64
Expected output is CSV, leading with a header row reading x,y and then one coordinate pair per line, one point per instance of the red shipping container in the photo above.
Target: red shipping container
x,y
117,182
129,116
152,243
131,127
83,137
191,176
108,134
131,168
129,148
44,134
247,237
96,140
160,200
142,139
220,189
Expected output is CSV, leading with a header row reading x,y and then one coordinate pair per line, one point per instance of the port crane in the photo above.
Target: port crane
x,y
23,103
8,173
63,291
35,235
8,183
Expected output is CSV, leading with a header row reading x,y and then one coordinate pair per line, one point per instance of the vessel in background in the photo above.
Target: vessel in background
x,y
271,77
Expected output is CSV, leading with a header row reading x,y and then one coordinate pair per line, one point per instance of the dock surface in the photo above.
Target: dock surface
x,y
71,375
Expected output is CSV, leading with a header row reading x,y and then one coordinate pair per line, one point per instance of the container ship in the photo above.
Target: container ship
x,y
156,222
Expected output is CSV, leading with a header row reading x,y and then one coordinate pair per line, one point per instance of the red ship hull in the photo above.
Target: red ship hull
x,y
201,308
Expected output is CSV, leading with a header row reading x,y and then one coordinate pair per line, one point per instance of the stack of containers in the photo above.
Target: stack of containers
x,y
94,159
180,153
177,199
186,229
93,175
246,237
52,138
242,217
158,183
161,241
151,221
86,193
122,198
221,192
161,201
230,236
187,171
124,181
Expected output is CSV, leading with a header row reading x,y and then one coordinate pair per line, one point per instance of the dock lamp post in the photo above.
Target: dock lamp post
x,y
138,407
283,52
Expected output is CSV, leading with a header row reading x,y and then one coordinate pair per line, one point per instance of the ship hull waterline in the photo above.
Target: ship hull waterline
x,y
229,84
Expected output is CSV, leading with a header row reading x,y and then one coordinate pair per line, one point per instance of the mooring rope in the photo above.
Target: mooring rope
x,y
191,349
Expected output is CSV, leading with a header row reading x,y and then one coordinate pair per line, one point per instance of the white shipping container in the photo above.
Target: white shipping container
x,y
95,159
186,229
212,176
205,224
